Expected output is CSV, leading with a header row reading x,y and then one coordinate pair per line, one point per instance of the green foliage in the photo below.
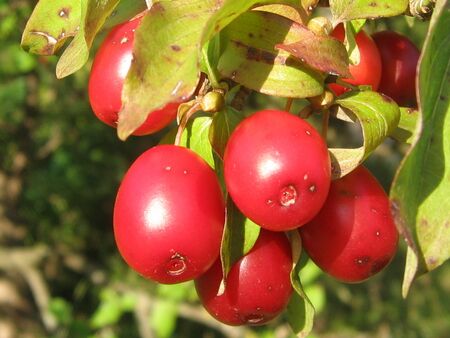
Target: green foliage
x,y
418,206
378,116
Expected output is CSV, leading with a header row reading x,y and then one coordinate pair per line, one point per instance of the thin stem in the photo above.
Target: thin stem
x,y
325,123
184,120
288,105
305,112
342,83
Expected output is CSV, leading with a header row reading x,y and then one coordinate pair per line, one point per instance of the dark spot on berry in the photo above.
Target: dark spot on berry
x,y
254,318
176,265
175,48
288,196
363,260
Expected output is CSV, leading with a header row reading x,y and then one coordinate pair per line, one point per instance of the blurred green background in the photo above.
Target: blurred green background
x,y
60,273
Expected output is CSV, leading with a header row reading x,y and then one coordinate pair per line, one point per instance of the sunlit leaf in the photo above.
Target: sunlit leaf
x,y
300,311
223,125
50,24
420,193
249,57
344,10
320,52
93,15
166,63
378,116
406,130
239,237
167,54
195,137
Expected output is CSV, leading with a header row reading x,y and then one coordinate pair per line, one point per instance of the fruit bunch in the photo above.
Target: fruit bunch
x,y
387,63
171,209
232,197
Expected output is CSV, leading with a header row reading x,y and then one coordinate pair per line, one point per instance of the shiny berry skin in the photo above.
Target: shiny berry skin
x,y
109,69
169,215
354,236
399,58
368,70
277,170
258,286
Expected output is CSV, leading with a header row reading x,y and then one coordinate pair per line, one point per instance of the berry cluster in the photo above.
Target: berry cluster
x,y
170,209
388,62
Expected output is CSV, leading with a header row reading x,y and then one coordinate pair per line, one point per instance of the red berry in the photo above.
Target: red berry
x,y
399,58
169,215
368,70
354,236
277,170
258,286
110,67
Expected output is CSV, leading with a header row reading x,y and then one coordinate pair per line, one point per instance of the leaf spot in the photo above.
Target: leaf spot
x,y
64,13
175,48
51,40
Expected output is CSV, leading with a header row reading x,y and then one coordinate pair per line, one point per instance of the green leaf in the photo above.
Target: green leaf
x,y
50,25
223,124
124,11
210,58
344,10
164,318
316,293
351,29
230,10
294,13
249,57
300,311
93,16
239,237
420,194
406,130
378,116
195,137
168,54
166,66
320,52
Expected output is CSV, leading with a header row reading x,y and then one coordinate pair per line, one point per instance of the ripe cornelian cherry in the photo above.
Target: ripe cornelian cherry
x,y
169,215
277,169
399,58
368,70
354,236
109,69
258,285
